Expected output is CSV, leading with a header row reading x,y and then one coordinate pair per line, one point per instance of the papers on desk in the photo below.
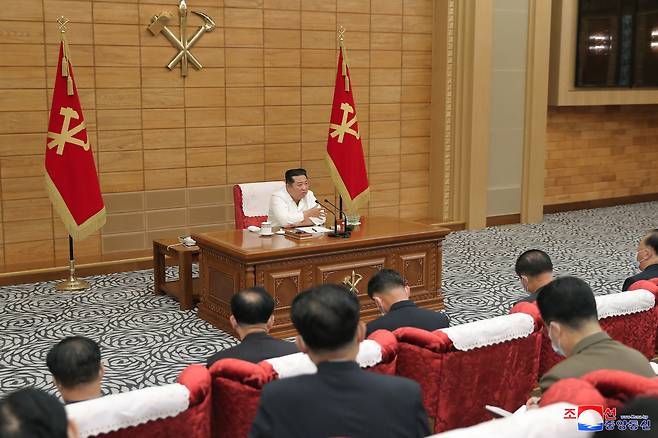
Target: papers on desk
x,y
654,367
314,230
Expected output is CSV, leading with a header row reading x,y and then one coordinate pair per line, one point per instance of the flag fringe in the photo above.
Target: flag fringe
x,y
351,205
77,232
345,65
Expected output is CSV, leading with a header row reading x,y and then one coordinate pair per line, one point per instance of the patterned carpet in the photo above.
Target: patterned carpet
x,y
147,340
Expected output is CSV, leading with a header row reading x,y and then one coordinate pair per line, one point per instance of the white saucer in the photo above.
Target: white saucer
x,y
266,234
280,232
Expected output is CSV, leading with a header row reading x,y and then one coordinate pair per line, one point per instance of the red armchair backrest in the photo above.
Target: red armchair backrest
x,y
194,422
610,388
242,220
236,387
457,384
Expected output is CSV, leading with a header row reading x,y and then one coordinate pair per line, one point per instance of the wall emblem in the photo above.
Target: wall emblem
x,y
183,44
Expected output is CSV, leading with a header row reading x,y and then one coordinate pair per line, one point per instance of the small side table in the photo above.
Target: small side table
x,y
185,288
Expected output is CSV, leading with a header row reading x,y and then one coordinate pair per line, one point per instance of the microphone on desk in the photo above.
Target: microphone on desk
x,y
343,217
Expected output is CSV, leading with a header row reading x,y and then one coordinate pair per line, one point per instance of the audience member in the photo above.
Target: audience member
x,y
390,293
75,364
534,269
341,400
32,413
646,259
568,309
252,320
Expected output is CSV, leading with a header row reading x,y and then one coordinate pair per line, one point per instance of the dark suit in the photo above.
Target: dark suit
x,y
649,272
341,400
597,352
254,348
407,314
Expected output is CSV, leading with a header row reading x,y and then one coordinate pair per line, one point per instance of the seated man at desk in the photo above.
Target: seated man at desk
x,y
294,205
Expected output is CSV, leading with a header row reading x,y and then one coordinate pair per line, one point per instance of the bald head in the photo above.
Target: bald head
x,y
252,306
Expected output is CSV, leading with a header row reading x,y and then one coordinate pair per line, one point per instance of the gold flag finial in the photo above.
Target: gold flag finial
x,y
62,21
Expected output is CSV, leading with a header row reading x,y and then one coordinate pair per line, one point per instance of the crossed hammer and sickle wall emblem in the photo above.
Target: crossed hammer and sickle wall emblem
x,y
183,44
345,126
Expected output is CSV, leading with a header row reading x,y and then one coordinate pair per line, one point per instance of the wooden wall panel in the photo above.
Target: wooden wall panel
x,y
600,152
168,149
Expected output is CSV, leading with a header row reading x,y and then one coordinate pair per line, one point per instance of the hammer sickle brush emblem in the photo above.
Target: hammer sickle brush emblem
x,y
159,25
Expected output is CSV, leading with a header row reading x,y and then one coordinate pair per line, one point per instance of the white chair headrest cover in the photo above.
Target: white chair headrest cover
x,y
624,303
370,354
490,331
547,422
256,197
118,411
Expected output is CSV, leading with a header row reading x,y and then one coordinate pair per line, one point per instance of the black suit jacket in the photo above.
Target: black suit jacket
x,y
341,400
407,314
649,272
254,348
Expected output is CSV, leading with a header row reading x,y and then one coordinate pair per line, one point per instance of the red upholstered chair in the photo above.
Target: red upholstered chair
x,y
631,319
458,377
251,202
168,411
236,384
610,388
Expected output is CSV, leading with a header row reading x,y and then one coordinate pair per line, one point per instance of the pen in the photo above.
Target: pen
x,y
314,230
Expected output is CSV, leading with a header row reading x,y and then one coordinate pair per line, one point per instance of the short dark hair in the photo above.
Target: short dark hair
x,y
385,280
292,173
326,316
533,262
32,413
74,360
252,306
567,300
651,239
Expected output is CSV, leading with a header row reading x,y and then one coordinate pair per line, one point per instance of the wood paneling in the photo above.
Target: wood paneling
x,y
260,105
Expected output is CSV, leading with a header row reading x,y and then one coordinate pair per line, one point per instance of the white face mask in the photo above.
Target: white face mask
x,y
637,262
555,345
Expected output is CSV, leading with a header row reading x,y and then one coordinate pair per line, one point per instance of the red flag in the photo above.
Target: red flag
x,y
344,150
71,178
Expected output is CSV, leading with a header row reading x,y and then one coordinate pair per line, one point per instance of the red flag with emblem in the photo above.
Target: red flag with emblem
x,y
344,149
71,179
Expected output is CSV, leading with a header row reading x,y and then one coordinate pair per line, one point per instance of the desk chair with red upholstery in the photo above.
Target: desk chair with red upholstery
x,y
251,202
236,384
629,318
609,388
168,411
463,368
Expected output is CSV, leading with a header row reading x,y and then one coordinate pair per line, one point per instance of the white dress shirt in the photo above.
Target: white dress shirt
x,y
285,212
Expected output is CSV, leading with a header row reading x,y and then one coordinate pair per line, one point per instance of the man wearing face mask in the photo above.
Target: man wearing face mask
x,y
390,293
534,269
646,259
568,309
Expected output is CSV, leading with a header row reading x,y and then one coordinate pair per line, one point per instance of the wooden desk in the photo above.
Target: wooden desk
x,y
231,260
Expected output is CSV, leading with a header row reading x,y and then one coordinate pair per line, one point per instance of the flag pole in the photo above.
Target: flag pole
x,y
73,283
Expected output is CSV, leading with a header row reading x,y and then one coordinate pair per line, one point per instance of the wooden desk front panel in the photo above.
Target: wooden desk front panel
x,y
418,262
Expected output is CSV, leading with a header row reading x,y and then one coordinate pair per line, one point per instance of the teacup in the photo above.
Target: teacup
x,y
266,228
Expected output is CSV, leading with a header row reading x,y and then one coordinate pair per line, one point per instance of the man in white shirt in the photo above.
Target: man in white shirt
x,y
294,205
